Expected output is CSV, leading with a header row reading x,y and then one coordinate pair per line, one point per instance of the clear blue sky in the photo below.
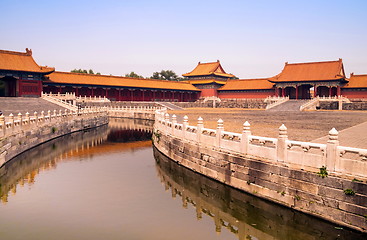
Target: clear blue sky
x,y
251,38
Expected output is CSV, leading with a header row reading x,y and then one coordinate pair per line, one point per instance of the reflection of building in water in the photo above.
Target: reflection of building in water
x,y
246,216
129,130
22,170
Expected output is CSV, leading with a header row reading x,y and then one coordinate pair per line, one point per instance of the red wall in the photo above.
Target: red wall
x,y
354,94
245,94
208,92
29,88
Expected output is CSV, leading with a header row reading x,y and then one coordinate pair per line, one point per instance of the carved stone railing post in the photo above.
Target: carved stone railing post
x,y
218,134
245,137
36,117
49,115
2,122
20,119
184,126
199,129
27,118
11,119
331,150
281,146
43,116
174,121
166,120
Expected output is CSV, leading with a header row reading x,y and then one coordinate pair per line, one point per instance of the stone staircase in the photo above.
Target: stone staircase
x,y
170,106
22,105
290,105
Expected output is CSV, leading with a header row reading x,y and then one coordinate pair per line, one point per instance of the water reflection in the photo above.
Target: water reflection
x,y
244,215
80,146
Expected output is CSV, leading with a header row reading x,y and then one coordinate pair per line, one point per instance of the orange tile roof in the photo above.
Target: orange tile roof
x,y
312,71
247,84
19,61
105,80
357,81
205,69
206,81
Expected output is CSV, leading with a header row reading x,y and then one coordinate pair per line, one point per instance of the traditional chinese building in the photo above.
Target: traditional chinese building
x,y
120,88
247,88
20,75
356,87
208,77
296,79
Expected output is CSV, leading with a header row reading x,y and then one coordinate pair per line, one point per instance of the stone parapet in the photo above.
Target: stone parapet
x,y
325,180
20,133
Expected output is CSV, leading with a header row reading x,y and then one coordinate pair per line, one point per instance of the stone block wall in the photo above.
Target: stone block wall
x,y
30,135
354,105
333,198
226,103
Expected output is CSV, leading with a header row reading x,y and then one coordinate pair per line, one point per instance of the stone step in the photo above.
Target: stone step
x,y
170,106
22,105
290,105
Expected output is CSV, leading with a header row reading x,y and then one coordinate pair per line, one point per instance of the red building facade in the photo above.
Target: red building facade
x,y
21,76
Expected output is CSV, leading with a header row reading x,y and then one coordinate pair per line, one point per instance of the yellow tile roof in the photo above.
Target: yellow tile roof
x,y
312,71
206,81
247,84
205,69
357,81
19,61
104,80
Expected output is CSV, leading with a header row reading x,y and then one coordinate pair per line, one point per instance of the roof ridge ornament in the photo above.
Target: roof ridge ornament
x,y
28,52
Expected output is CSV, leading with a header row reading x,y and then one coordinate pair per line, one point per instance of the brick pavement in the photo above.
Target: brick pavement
x,y
355,136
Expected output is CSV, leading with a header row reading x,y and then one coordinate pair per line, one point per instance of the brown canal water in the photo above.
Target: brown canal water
x,y
109,183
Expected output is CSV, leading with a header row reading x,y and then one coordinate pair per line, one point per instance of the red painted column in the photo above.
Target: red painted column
x,y
153,95
314,91
338,91
283,92
296,92
142,92
330,91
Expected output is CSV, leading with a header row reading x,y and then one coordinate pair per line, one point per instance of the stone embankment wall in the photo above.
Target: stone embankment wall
x,y
226,103
325,180
354,105
121,104
22,133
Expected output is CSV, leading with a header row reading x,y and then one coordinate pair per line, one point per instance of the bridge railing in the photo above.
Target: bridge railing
x,y
345,161
275,101
142,109
13,124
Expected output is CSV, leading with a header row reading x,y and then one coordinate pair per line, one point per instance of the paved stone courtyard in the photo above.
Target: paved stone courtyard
x,y
302,126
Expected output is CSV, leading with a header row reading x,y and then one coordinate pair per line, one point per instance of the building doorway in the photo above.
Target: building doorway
x,y
304,91
290,92
8,87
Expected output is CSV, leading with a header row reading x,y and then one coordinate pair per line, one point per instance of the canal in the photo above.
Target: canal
x,y
109,183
